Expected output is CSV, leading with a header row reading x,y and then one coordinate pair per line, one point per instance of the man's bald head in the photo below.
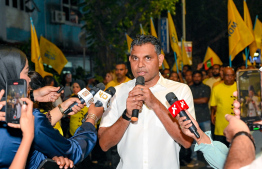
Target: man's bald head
x,y
229,76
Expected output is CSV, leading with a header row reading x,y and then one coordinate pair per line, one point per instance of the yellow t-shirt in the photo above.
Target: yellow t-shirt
x,y
114,82
57,125
211,81
222,97
76,120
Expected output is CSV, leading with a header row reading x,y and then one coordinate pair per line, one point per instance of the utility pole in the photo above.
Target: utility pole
x,y
184,19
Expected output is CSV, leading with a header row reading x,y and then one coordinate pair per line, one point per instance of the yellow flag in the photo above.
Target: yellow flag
x,y
52,55
129,41
244,58
248,21
239,36
173,36
35,53
153,33
258,34
174,69
142,32
211,58
185,58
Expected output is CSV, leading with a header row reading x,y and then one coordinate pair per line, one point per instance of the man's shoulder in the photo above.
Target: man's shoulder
x,y
205,86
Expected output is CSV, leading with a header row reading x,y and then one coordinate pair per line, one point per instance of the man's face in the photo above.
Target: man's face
x,y
145,62
166,73
185,68
229,76
188,76
121,71
174,76
197,79
215,71
68,78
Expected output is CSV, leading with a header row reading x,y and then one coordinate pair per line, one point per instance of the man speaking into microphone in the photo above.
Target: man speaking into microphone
x,y
153,140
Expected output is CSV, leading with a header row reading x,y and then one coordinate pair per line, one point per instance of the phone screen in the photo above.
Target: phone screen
x,y
15,91
249,94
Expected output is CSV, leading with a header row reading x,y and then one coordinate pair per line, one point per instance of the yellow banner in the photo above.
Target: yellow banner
x,y
239,36
248,21
52,55
153,33
258,34
35,53
129,41
211,54
173,36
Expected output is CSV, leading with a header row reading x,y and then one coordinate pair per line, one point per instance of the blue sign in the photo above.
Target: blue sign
x,y
164,34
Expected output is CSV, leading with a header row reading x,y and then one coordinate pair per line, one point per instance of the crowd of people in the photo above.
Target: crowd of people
x,y
156,140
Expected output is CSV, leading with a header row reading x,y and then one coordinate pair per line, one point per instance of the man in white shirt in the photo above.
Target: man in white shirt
x,y
153,141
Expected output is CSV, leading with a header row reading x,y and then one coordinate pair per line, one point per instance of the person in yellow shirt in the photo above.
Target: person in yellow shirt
x,y
215,78
76,119
221,103
121,71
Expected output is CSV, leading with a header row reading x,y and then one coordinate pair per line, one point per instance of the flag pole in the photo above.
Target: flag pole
x,y
230,62
246,53
176,62
182,63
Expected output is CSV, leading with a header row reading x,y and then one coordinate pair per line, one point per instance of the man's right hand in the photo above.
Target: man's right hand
x,y
131,104
70,101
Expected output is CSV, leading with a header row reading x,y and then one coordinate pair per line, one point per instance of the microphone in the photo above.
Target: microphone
x,y
178,106
86,96
140,80
102,98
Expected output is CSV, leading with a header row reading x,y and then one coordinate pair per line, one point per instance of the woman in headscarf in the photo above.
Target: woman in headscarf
x,y
47,142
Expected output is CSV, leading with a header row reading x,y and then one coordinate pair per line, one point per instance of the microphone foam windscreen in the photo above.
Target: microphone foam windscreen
x,y
101,86
140,80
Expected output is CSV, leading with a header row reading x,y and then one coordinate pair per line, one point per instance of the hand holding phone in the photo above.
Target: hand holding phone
x,y
15,90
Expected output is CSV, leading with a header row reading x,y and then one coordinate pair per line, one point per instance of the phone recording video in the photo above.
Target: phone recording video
x,y
15,90
249,94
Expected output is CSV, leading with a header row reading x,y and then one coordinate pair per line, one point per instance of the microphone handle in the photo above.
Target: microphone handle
x,y
193,127
69,109
135,113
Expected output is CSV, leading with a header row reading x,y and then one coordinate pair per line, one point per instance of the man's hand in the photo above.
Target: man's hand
x,y
63,162
235,125
142,93
2,104
133,103
46,94
76,108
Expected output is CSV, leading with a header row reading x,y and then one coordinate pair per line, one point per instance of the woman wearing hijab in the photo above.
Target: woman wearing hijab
x,y
47,142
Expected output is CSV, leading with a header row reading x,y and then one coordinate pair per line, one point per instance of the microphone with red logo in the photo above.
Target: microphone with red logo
x,y
178,107
140,80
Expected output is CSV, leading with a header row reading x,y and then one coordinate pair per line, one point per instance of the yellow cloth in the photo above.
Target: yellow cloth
x,y
76,120
216,83
239,35
129,41
222,97
57,125
114,82
173,36
210,81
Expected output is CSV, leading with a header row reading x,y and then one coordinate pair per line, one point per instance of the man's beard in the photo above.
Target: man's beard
x,y
197,83
216,75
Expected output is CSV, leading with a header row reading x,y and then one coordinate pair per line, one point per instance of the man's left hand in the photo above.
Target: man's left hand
x,y
46,94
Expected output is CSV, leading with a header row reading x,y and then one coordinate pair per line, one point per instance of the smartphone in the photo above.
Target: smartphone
x,y
249,94
50,164
15,90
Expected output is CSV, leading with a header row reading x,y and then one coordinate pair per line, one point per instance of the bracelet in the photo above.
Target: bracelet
x,y
92,116
245,134
61,109
32,96
124,116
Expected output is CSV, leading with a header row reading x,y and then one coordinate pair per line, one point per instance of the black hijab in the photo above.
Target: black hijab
x,y
12,62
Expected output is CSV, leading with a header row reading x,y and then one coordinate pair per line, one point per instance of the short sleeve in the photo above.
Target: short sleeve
x,y
213,101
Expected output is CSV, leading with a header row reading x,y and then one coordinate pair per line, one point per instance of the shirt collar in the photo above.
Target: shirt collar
x,y
161,81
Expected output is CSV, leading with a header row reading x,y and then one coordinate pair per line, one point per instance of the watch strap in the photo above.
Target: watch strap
x,y
124,116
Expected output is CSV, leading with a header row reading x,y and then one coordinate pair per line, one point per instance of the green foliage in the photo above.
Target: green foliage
x,y
107,22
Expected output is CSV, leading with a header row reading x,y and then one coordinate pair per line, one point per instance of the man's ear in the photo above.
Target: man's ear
x,y
161,58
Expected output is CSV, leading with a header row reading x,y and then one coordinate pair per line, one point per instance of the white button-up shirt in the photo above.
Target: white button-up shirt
x,y
146,144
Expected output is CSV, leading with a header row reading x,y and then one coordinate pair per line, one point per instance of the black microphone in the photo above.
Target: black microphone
x,y
171,98
140,80
86,96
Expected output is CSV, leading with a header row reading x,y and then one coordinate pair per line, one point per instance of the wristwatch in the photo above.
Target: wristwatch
x,y
124,116
32,95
